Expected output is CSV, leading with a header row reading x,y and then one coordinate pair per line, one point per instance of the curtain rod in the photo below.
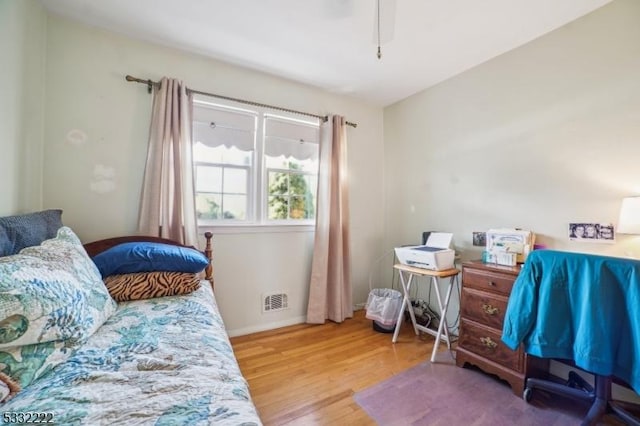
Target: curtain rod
x,y
151,83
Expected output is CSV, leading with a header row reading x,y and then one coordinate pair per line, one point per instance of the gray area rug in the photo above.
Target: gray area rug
x,y
443,394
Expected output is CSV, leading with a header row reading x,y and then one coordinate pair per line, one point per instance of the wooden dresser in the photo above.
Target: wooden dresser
x,y
485,291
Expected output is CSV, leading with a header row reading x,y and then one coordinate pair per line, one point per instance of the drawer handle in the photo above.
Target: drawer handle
x,y
489,310
487,342
491,284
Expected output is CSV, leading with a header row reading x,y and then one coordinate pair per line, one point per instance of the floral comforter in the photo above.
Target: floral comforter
x,y
164,361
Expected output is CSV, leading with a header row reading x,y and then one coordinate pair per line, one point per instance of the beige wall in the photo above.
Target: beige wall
x,y
96,177
539,137
536,138
22,48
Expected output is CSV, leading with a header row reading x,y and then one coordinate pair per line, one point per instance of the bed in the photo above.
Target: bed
x,y
160,360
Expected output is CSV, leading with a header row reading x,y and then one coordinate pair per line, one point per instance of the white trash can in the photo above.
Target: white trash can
x,y
383,307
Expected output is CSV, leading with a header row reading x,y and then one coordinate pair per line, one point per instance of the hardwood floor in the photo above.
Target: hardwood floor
x,y
306,374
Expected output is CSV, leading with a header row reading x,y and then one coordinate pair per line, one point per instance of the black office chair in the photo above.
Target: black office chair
x,y
598,395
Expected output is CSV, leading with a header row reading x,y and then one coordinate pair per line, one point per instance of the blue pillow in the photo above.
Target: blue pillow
x,y
134,257
26,230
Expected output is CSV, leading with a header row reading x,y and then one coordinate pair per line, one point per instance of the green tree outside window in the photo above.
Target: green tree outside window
x,y
290,196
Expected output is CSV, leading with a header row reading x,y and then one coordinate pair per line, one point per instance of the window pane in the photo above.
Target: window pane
x,y
208,206
278,183
235,207
221,155
311,196
236,157
278,207
208,179
297,206
310,165
291,163
302,207
298,184
235,181
207,154
312,184
276,162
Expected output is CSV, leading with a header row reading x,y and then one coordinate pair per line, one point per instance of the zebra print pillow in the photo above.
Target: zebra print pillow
x,y
147,285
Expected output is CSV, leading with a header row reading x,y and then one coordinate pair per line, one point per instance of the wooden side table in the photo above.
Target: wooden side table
x,y
407,273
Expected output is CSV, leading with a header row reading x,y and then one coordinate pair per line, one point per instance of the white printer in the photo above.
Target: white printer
x,y
435,254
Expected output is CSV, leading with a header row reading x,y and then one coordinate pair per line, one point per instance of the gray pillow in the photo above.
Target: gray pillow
x,y
26,230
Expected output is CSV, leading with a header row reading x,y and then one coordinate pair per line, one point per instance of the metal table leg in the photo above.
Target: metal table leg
x,y
443,317
406,303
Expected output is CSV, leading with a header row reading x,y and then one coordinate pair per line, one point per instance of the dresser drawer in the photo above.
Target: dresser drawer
x,y
488,280
483,307
486,343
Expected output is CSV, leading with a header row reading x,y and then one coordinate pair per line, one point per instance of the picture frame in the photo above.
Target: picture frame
x,y
480,239
592,232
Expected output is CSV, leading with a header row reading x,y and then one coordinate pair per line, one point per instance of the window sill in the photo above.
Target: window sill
x,y
254,229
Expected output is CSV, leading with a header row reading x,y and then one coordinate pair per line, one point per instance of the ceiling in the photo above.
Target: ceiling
x,y
331,44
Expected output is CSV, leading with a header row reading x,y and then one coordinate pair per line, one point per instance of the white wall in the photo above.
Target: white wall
x,y
96,179
22,48
539,137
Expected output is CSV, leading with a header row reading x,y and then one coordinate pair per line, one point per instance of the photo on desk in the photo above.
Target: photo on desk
x,y
592,232
480,239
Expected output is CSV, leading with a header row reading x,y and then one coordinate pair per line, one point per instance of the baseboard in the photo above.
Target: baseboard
x,y
266,326
277,324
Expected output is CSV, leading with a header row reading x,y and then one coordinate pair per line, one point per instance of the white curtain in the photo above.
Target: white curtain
x,y
167,207
330,285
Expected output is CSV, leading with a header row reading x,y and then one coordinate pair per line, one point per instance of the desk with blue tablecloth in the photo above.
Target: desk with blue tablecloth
x,y
584,308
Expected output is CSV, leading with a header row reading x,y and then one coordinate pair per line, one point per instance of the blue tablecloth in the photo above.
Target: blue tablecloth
x,y
581,307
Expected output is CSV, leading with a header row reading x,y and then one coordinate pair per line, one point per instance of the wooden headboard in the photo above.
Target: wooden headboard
x,y
96,247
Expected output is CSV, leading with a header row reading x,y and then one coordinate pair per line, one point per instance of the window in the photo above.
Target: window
x,y
253,167
223,148
291,163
